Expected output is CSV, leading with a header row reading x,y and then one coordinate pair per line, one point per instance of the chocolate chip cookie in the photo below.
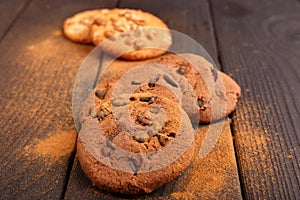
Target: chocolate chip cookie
x,y
134,143
126,33
216,93
78,27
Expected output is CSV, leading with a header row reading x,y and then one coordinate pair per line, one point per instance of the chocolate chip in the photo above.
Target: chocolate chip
x,y
214,72
149,99
201,103
150,34
170,81
105,152
141,136
172,134
110,144
151,133
137,33
153,81
135,163
145,99
119,101
143,120
155,109
101,93
136,83
180,70
220,94
103,113
139,44
132,98
163,139
133,166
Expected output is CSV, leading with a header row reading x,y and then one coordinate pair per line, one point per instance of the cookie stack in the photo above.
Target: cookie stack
x,y
138,125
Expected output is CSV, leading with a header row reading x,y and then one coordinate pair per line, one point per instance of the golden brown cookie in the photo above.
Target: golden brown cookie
x,y
136,143
131,34
78,27
205,93
216,93
126,33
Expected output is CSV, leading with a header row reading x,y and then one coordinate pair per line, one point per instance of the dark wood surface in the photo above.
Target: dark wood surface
x,y
256,42
37,71
10,10
262,52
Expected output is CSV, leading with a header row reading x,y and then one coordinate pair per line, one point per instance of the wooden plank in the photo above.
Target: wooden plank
x,y
37,69
260,46
212,177
10,10
191,18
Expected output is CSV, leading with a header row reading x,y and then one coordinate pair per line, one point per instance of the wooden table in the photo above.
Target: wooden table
x,y
256,42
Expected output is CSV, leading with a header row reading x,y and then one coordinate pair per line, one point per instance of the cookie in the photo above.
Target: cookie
x,y
126,33
216,93
205,93
133,144
131,34
78,27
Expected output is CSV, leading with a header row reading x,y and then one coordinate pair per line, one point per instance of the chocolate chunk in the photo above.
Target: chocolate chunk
x,y
110,144
139,44
106,152
180,70
163,139
143,120
149,99
170,81
137,33
172,134
132,98
151,133
155,109
141,136
136,83
103,113
153,81
150,34
101,93
119,101
135,164
201,103
214,72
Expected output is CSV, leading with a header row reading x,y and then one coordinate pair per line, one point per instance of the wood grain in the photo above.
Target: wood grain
x,y
260,47
10,11
37,69
212,177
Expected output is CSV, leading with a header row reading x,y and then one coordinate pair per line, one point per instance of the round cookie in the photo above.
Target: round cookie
x,y
124,154
216,93
78,27
212,94
131,34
